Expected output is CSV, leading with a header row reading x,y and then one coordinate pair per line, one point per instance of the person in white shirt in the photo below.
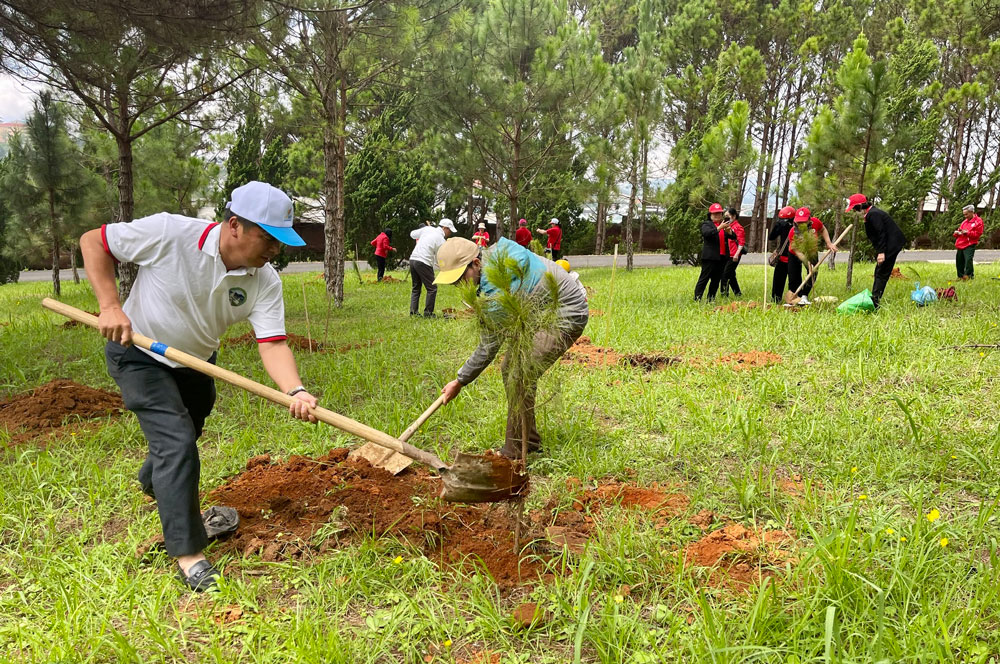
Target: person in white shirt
x,y
422,261
195,279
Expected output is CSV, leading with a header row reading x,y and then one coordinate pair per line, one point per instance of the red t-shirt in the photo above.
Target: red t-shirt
x,y
522,236
381,244
481,238
815,225
555,237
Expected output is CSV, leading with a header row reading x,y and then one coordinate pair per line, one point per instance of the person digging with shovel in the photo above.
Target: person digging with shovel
x,y
459,261
803,241
195,279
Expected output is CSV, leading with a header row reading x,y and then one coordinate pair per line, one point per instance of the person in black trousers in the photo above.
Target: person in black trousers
x,y
885,236
715,234
736,252
778,237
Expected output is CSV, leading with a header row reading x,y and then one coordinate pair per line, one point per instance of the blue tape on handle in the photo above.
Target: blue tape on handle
x,y
158,348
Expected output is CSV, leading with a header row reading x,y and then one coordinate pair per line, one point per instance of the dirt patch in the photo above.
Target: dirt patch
x,y
585,353
48,407
299,342
896,274
738,555
596,312
528,615
306,506
737,305
750,360
386,280
451,312
651,498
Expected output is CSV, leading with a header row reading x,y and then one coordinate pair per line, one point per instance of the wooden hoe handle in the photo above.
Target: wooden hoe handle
x,y
345,424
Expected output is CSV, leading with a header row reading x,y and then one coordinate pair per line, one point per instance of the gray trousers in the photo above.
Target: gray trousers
x,y
422,274
548,348
171,406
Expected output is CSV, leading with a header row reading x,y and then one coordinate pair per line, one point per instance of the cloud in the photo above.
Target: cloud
x,y
16,98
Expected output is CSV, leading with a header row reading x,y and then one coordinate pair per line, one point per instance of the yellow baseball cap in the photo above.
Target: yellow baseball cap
x,y
453,257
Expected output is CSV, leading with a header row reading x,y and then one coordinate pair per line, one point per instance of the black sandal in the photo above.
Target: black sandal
x,y
201,576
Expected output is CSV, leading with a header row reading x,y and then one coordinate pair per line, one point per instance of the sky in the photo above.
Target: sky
x,y
15,98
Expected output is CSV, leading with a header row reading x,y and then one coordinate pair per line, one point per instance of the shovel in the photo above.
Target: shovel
x,y
793,298
390,460
471,479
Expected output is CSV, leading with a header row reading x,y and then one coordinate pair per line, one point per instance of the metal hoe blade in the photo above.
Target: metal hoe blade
x,y
482,479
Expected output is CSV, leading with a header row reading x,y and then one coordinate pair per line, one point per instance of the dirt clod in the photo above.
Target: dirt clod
x,y
48,407
896,274
585,353
299,342
305,506
528,615
737,305
740,556
751,360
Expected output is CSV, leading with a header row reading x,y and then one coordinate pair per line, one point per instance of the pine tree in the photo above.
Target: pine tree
x,y
243,163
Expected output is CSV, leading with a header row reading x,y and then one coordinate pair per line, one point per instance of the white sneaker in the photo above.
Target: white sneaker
x,y
804,301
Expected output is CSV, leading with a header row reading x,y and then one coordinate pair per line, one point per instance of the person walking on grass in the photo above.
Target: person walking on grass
x,y
382,249
736,246
460,260
553,245
966,238
482,236
422,260
803,242
884,235
715,254
195,279
778,238
522,236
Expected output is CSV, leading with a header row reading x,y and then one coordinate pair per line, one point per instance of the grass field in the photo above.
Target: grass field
x,y
874,451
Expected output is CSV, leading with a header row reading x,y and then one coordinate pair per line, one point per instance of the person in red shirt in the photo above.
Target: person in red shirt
x,y
804,222
554,244
481,237
715,233
779,238
966,238
736,246
382,249
523,235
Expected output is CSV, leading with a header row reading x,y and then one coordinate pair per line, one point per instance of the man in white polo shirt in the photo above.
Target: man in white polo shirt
x,y
422,261
195,280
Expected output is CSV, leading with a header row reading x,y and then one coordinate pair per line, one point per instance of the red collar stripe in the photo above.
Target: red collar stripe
x,y
204,235
104,241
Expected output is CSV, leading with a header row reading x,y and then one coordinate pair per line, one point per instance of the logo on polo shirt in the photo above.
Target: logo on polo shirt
x,y
237,296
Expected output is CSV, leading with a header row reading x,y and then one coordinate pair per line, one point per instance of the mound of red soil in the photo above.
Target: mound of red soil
x,y
48,407
284,506
751,360
386,280
596,312
896,274
739,555
451,312
73,323
585,353
299,342
737,305
650,498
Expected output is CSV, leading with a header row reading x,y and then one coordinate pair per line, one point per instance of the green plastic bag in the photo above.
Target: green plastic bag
x,y
860,302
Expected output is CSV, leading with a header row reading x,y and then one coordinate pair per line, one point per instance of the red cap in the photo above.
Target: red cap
x,y
522,222
715,207
786,212
856,199
802,215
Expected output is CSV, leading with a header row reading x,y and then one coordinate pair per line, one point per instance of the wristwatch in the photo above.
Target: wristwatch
x,y
295,390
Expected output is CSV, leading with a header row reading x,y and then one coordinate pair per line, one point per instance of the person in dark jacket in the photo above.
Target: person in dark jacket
x,y
778,237
885,236
736,247
382,246
715,233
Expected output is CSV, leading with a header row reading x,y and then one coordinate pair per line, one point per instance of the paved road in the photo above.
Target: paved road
x,y
639,260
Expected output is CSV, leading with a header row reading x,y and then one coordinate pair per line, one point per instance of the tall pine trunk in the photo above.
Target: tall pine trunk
x,y
126,205
601,229
54,229
334,156
633,177
645,190
861,188
72,263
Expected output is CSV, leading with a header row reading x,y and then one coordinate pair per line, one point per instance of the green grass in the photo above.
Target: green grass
x,y
869,392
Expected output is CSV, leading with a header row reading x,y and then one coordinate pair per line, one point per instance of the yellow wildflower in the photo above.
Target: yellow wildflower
x,y
397,560
854,469
902,539
862,497
943,542
953,456
889,531
933,515
619,599
447,643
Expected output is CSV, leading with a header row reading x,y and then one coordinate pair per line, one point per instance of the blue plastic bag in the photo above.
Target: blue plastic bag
x,y
924,295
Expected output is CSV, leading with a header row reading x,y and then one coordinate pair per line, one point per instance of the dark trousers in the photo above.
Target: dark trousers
x,y
548,348
171,406
380,262
711,275
729,277
422,274
882,273
963,262
795,267
778,281
554,254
